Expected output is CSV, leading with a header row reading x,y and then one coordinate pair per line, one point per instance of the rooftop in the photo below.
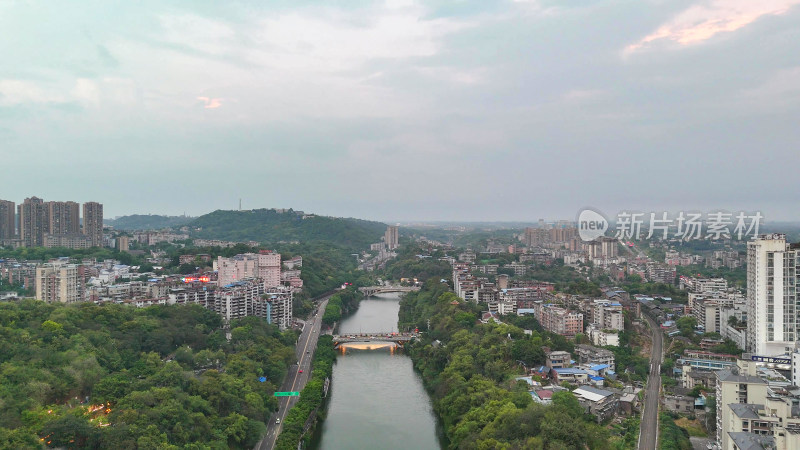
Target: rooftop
x,y
745,411
569,371
751,441
544,393
592,393
729,375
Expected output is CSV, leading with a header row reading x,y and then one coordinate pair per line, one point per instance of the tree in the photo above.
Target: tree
x,y
525,350
186,268
686,325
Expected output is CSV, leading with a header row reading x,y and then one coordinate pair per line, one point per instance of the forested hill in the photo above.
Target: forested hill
x,y
147,222
111,376
270,226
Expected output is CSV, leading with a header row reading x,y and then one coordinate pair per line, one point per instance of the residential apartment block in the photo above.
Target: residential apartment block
x,y
700,285
93,222
8,220
559,320
590,355
51,224
33,223
59,282
607,315
755,413
391,237
773,314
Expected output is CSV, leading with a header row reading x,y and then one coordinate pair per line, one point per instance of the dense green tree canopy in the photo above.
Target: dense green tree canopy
x,y
114,376
268,225
469,373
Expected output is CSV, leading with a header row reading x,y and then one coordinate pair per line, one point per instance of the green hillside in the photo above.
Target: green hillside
x,y
147,222
113,376
270,226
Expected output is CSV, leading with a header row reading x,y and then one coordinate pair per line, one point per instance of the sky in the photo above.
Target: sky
x,y
403,110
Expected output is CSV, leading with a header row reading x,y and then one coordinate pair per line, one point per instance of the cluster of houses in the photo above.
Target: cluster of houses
x,y
250,284
586,378
716,307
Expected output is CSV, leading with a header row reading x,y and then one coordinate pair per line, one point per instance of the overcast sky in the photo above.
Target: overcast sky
x,y
398,110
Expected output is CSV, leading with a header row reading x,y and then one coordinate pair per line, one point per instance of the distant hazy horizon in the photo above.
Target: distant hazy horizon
x,y
771,224
492,110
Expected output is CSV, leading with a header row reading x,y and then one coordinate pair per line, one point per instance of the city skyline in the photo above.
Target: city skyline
x,y
402,110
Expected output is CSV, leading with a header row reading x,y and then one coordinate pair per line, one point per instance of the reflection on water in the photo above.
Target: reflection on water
x,y
377,401
391,346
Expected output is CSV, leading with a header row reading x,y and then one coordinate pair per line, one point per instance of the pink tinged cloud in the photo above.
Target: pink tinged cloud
x,y
211,103
701,22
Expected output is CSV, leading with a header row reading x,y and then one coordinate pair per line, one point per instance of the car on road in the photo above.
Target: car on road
x,y
278,420
308,351
301,370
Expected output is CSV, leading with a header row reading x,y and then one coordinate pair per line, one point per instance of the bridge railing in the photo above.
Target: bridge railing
x,y
376,335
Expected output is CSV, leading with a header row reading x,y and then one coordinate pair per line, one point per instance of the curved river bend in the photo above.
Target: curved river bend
x,y
377,401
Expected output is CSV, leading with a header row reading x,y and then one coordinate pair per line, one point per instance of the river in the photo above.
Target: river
x,y
377,400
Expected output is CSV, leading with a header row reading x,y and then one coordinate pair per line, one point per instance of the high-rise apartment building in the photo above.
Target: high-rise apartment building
x,y
280,306
236,268
562,233
266,266
607,315
59,282
559,320
269,268
7,219
391,237
33,222
123,243
536,236
63,218
773,313
93,222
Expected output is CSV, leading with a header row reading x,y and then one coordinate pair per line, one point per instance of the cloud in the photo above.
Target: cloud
x,y
333,41
15,92
211,103
699,23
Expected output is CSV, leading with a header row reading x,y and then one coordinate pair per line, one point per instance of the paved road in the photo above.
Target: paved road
x,y
648,432
295,381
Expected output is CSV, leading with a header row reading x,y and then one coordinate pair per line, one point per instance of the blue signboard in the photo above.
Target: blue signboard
x,y
771,359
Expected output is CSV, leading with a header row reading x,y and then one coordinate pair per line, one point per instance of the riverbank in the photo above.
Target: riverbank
x,y
303,417
469,370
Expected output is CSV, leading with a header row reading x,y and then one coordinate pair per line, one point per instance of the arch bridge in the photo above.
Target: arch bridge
x,y
373,290
398,338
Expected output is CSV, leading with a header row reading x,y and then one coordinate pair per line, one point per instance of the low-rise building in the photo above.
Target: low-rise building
x,y
588,354
570,375
703,360
691,378
558,359
679,403
602,338
600,403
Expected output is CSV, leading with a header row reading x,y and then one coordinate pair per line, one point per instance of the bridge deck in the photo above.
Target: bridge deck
x,y
372,290
380,337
